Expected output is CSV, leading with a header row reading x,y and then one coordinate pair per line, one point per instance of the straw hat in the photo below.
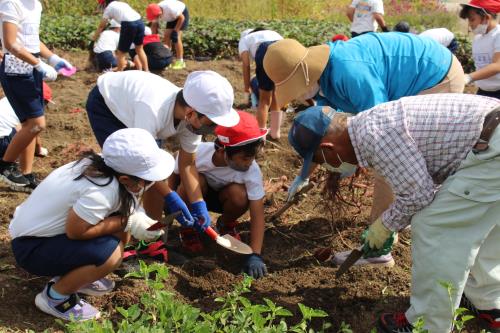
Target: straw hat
x,y
293,67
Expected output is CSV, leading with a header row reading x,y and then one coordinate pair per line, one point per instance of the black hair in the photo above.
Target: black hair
x,y
98,169
108,2
464,12
257,29
402,26
249,150
179,99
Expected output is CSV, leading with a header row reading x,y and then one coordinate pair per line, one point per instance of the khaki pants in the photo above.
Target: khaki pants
x,y
453,82
457,239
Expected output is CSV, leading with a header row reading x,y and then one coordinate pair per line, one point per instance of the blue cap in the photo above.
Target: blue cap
x,y
307,130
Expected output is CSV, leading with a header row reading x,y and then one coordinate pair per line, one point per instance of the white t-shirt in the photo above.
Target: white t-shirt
x,y
8,118
483,49
120,12
252,41
108,41
441,35
46,210
26,15
363,15
218,177
172,9
144,100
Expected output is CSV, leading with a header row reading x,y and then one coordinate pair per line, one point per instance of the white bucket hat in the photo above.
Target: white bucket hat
x,y
133,151
211,94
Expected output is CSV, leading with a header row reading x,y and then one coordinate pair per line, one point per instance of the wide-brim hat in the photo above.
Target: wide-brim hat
x,y
294,68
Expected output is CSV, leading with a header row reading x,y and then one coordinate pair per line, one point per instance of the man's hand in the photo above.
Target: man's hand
x,y
297,185
378,240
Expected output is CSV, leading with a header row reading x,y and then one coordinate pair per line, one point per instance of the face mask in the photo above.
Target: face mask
x,y
235,166
313,91
139,193
345,169
203,130
480,29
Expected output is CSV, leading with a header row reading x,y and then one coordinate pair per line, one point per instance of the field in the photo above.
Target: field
x,y
295,274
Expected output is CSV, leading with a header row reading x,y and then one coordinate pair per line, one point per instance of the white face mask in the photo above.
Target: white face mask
x,y
139,193
311,92
480,29
345,169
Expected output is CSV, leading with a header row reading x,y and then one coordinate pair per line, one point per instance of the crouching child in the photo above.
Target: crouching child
x,y
231,183
74,225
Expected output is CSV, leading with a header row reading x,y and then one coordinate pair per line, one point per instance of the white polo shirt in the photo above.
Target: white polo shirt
x,y
252,41
26,15
172,9
46,210
108,41
120,12
218,177
483,49
363,15
8,118
144,100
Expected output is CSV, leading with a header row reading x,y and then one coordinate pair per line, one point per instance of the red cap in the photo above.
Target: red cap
x,y
493,6
101,2
246,131
340,37
152,11
47,92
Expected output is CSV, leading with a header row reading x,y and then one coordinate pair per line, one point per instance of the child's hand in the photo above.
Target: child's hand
x,y
174,203
59,63
138,225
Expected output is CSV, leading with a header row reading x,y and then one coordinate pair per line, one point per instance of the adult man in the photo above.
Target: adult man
x,y
144,100
446,184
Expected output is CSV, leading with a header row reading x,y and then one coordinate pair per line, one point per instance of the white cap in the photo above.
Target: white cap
x,y
133,151
211,94
114,24
245,32
147,31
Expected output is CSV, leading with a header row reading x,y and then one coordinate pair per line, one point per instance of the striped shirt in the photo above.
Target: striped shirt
x,y
415,143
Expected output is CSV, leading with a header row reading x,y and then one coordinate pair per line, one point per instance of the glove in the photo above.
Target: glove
x,y
174,36
297,185
378,240
59,63
48,73
255,266
138,223
174,203
200,215
468,79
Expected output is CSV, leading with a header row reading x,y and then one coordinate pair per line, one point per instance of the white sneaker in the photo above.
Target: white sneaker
x,y
384,261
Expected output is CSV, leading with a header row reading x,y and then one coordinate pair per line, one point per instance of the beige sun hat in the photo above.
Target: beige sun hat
x,y
293,67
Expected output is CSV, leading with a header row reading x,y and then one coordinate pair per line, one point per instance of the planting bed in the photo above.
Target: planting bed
x,y
295,274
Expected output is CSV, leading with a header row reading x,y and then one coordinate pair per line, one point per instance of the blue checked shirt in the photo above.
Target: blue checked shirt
x,y
415,143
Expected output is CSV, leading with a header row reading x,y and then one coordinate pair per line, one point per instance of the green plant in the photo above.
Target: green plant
x,y
460,316
159,311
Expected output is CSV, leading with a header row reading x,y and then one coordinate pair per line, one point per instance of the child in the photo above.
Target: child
x,y
159,56
482,15
9,125
79,234
105,47
21,75
176,14
253,44
366,16
231,183
132,31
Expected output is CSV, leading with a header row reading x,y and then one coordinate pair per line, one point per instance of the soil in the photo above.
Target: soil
x,y
357,298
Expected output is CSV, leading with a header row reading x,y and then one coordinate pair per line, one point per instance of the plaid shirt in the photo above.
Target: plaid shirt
x,y
415,143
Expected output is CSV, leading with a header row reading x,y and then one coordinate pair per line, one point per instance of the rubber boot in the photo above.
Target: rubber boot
x,y
276,120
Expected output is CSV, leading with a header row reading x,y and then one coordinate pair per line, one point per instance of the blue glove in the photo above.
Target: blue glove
x,y
174,203
255,266
297,185
174,36
200,215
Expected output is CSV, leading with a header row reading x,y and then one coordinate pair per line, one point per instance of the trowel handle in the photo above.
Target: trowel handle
x,y
212,233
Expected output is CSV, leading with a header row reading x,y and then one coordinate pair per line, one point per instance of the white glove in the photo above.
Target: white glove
x,y
468,79
138,223
377,235
58,63
48,73
297,185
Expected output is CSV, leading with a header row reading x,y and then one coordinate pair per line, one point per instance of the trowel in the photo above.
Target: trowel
x,y
229,242
355,255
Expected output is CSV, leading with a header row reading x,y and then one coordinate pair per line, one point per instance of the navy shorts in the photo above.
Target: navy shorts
x,y
5,141
158,64
131,32
102,120
254,85
106,60
59,255
212,200
25,93
185,25
265,83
